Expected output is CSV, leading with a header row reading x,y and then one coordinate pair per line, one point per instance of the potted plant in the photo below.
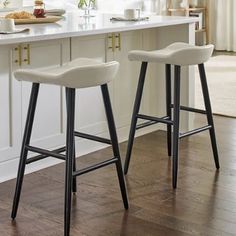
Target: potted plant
x,y
86,5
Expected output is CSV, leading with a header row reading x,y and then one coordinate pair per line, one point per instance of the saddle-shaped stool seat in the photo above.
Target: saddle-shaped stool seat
x,y
80,73
181,54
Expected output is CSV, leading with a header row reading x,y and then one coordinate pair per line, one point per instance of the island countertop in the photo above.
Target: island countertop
x,y
51,45
73,25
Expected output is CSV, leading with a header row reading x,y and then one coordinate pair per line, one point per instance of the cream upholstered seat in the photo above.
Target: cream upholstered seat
x,y
79,73
182,54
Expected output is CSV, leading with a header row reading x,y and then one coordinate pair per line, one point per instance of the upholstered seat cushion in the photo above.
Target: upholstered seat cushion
x,y
79,73
175,54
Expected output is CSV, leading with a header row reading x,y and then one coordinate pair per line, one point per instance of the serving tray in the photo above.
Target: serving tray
x,y
47,19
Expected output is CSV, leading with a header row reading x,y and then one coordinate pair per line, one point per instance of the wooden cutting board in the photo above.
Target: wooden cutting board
x,y
47,19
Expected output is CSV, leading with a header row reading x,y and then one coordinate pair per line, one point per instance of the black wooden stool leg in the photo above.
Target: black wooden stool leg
x,y
69,158
168,106
176,122
74,181
209,113
135,113
24,151
114,140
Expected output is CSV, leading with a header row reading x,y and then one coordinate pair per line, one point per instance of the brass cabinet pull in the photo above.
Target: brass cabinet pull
x,y
28,54
115,38
113,42
19,60
118,36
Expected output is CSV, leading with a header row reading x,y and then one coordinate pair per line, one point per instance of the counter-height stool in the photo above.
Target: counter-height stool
x,y
177,55
78,74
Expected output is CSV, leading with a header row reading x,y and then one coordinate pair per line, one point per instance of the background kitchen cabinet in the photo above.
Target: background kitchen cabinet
x,y
90,109
125,84
10,103
90,115
48,129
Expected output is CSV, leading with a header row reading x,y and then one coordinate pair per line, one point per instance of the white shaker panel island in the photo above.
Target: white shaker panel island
x,y
50,45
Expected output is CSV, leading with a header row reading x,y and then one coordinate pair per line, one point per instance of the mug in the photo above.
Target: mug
x,y
130,14
7,25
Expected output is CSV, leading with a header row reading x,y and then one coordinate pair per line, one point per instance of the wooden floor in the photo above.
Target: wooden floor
x,y
203,204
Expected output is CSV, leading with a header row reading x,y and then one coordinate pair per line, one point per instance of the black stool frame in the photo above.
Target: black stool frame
x,y
176,136
71,173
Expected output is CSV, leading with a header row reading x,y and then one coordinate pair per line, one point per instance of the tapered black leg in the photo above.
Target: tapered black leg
x,y
135,113
24,151
168,106
209,113
176,122
69,158
74,181
114,140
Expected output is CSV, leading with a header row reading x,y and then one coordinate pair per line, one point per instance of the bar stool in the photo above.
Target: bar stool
x,y
178,55
80,73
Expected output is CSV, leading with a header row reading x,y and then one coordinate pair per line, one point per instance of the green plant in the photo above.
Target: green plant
x,y
6,3
86,3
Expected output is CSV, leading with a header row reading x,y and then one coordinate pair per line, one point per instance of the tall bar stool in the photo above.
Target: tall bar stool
x,y
178,55
80,73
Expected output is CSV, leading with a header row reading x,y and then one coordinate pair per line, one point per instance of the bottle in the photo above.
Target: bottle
x,y
39,9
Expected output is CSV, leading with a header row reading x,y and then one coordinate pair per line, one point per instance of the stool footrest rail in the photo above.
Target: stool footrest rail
x,y
195,131
45,153
92,137
164,120
95,167
190,109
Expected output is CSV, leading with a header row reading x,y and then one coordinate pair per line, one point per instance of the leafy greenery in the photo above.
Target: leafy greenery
x,y
6,3
86,3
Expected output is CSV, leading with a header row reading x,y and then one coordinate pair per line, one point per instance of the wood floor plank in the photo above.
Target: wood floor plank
x,y
204,203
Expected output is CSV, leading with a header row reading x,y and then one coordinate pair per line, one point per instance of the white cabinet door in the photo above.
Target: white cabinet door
x,y
90,115
125,84
49,125
10,106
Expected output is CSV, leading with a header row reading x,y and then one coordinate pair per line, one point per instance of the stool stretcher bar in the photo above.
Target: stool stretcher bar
x,y
92,137
195,131
164,120
95,167
43,156
46,152
190,109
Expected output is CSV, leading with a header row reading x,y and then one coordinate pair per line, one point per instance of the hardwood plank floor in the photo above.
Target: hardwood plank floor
x,y
203,204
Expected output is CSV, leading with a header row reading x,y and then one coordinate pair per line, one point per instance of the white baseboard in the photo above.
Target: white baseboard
x,y
8,169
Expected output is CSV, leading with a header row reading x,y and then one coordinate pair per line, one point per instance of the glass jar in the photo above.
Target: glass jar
x,y
39,9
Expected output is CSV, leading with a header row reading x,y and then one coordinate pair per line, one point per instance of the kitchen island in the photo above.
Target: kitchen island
x,y
51,45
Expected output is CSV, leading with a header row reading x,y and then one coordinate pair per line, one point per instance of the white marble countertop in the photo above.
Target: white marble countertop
x,y
74,25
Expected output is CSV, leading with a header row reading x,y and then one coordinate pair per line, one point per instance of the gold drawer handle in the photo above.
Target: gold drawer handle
x,y
113,42
19,60
119,42
28,54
